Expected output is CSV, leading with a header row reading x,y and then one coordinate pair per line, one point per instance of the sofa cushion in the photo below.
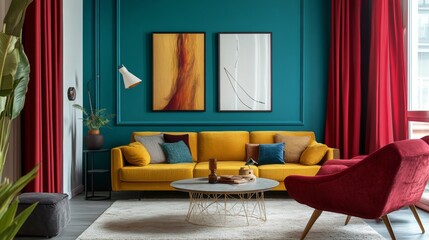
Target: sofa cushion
x,y
268,136
172,138
223,168
163,172
193,138
345,162
278,172
152,144
294,146
271,153
331,169
252,151
177,152
337,165
313,154
136,154
223,145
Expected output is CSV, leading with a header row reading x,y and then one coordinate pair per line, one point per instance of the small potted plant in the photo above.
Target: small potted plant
x,y
94,120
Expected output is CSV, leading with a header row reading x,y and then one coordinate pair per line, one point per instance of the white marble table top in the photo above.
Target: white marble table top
x,y
202,185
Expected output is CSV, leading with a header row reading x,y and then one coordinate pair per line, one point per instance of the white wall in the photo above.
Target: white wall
x,y
72,77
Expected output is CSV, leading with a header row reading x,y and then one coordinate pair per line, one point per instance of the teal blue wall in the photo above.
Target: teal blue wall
x,y
300,45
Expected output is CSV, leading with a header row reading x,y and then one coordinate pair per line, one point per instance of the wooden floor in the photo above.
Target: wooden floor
x,y
84,213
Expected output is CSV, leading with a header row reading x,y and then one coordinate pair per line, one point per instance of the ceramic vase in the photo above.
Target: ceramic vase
x,y
94,141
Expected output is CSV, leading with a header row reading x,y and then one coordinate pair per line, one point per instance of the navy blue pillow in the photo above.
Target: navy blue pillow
x,y
177,152
271,153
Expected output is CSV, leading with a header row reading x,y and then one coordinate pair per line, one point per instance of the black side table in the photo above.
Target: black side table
x,y
89,170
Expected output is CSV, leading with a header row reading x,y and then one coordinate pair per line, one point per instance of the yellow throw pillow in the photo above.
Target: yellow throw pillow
x,y
294,146
313,154
136,154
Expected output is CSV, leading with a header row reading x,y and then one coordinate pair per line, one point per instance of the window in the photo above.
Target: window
x,y
418,74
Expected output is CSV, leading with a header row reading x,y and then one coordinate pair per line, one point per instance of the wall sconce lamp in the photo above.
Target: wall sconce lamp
x,y
130,80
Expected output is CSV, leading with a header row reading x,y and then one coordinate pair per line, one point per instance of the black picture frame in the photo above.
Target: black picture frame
x,y
245,72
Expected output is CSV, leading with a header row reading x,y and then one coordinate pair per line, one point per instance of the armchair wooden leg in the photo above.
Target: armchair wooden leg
x,y
347,219
310,223
416,216
388,226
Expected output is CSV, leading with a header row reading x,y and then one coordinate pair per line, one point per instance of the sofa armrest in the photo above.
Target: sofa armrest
x,y
117,162
332,153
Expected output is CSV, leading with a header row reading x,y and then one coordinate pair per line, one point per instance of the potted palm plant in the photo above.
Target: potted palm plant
x,y
14,77
94,119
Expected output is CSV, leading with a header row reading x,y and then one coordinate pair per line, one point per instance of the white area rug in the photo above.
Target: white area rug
x,y
165,219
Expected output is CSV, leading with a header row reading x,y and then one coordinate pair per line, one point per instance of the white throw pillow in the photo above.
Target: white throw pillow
x,y
153,146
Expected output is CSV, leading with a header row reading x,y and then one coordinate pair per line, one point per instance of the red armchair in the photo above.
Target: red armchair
x,y
385,181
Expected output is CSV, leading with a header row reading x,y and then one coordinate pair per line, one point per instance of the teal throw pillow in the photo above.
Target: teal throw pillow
x,y
271,153
177,152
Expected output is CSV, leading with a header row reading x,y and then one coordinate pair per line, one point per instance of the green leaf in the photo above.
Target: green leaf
x,y
4,195
14,227
6,200
22,78
9,59
24,180
99,119
8,192
77,106
19,221
7,85
14,19
15,188
7,219
2,104
4,188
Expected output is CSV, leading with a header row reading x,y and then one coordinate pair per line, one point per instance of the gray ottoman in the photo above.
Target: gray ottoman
x,y
48,218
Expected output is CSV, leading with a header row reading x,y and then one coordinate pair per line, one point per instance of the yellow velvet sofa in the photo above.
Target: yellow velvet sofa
x,y
228,147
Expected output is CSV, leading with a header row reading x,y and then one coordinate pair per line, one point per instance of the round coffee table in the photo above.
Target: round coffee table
x,y
222,204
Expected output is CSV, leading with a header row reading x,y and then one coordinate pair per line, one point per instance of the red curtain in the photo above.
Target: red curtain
x,y
354,120
42,116
343,113
387,84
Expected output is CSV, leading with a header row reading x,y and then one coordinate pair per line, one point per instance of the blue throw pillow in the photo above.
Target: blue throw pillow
x,y
271,153
177,152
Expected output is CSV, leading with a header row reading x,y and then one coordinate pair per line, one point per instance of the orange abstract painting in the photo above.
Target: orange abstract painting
x,y
178,71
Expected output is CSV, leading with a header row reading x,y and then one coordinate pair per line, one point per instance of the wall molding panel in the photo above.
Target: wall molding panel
x,y
278,117
120,32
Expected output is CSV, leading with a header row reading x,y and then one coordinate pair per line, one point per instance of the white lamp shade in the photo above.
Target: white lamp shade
x,y
129,79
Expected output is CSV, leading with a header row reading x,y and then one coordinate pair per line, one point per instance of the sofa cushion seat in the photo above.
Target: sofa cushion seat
x,y
344,162
223,168
278,172
337,165
157,172
262,137
331,169
224,146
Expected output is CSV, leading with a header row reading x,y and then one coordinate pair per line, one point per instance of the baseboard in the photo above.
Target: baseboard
x,y
77,190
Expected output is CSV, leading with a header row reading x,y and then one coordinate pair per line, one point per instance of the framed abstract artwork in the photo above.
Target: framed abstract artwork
x,y
245,72
178,71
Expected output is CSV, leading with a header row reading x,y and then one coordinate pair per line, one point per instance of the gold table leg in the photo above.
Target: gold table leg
x,y
226,209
